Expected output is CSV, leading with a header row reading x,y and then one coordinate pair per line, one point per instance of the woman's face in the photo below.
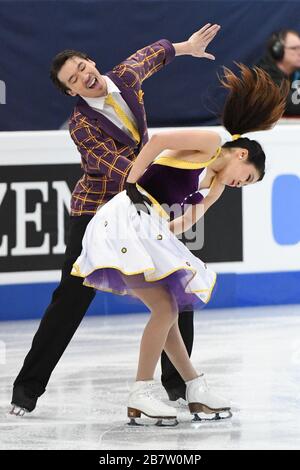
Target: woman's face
x,y
237,172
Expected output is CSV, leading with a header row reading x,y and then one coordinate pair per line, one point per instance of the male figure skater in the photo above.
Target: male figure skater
x,y
108,126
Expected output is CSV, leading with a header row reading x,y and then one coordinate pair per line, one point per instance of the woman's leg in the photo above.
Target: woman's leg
x,y
161,332
163,315
178,355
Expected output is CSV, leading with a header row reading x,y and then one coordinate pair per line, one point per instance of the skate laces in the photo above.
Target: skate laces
x,y
149,389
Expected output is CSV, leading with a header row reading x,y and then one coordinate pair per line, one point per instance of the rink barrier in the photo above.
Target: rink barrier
x,y
28,301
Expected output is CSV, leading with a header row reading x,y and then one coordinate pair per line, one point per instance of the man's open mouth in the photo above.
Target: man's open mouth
x,y
92,83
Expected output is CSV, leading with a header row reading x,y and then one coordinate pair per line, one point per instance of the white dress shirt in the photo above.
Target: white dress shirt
x,y
98,104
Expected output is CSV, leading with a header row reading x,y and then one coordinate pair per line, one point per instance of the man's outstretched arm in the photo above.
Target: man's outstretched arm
x,y
149,60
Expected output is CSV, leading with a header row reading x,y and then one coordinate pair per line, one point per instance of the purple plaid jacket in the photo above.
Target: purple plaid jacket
x,y
107,153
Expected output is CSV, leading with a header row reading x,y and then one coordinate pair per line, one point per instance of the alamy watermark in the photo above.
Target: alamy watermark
x,y
156,227
2,92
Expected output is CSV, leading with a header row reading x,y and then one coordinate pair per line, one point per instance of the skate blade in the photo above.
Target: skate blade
x,y
18,411
166,423
217,416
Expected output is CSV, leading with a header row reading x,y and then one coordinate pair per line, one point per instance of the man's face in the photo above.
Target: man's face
x,y
292,51
82,78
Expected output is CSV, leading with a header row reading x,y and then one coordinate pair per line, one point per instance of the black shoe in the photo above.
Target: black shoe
x,y
21,397
176,393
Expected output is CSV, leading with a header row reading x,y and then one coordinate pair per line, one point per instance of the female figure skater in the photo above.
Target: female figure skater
x,y
132,252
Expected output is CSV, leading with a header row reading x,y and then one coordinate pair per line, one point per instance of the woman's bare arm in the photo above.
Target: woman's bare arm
x,y
206,142
195,212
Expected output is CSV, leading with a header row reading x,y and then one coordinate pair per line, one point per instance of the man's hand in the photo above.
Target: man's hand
x,y
198,42
137,198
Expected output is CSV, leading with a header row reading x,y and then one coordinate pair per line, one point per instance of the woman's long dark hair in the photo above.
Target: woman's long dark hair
x,y
254,103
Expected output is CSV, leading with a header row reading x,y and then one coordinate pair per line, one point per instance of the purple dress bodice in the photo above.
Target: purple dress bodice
x,y
172,186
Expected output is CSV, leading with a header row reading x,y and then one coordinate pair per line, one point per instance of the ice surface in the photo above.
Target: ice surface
x,y
251,356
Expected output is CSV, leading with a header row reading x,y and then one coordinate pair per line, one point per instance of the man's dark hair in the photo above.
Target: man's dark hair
x,y
57,64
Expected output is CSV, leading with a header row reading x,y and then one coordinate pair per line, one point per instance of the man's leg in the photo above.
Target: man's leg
x,y
69,303
170,378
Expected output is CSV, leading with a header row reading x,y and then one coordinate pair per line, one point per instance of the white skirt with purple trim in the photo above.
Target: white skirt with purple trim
x,y
123,251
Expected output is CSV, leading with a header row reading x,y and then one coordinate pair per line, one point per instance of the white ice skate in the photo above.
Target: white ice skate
x,y
201,400
142,401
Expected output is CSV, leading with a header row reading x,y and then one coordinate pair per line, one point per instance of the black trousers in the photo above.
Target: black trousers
x,y
69,303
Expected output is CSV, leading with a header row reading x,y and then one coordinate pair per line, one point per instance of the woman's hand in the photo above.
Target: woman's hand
x,y
137,198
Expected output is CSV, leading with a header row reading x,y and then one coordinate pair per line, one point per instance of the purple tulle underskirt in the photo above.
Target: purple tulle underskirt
x,y
113,280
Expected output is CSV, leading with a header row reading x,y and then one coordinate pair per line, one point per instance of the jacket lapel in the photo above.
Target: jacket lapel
x,y
129,96
105,124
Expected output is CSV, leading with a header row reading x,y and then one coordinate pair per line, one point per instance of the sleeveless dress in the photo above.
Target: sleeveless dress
x,y
123,251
